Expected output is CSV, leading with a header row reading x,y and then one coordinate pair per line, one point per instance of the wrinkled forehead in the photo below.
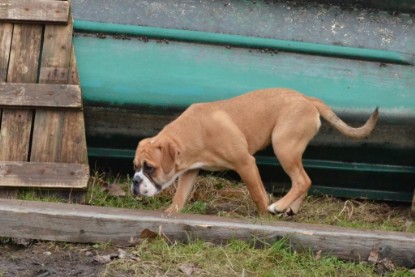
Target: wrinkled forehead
x,y
147,150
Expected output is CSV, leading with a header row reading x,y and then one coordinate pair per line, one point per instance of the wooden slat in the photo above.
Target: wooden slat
x,y
66,134
16,124
40,95
34,11
74,148
43,175
78,223
6,30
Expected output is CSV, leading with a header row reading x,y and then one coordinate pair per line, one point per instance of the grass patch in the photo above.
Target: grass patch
x,y
237,258
222,197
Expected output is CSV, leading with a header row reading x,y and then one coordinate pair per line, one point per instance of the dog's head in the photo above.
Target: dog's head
x,y
154,165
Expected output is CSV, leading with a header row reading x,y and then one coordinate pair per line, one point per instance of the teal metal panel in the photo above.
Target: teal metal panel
x,y
247,41
176,74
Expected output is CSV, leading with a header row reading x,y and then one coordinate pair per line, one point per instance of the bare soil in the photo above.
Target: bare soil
x,y
50,259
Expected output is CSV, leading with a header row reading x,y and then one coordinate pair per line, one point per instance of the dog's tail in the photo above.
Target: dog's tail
x,y
340,125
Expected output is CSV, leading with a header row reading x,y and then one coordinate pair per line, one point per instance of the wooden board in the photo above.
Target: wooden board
x,y
413,205
43,175
40,95
68,143
34,10
6,30
79,223
23,64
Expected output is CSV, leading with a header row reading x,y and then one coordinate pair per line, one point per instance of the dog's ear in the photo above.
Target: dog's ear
x,y
168,156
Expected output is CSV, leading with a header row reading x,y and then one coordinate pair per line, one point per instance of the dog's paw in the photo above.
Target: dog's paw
x,y
289,212
273,208
172,209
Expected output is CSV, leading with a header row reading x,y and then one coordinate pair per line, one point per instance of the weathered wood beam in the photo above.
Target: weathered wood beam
x,y
43,175
34,11
40,95
413,205
78,223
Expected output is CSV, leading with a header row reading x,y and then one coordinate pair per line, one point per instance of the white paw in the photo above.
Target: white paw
x,y
273,208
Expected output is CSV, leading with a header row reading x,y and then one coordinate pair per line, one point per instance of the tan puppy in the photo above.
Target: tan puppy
x,y
226,134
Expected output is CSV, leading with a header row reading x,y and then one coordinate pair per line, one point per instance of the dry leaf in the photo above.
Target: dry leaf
x,y
102,259
317,256
22,241
374,255
187,268
115,190
125,255
101,182
148,234
384,266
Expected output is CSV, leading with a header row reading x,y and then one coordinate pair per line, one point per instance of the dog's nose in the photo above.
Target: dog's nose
x,y
137,180
136,184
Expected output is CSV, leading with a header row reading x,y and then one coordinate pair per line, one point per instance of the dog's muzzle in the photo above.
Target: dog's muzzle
x,y
135,186
142,185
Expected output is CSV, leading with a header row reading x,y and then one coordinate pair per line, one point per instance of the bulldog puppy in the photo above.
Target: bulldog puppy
x,y
226,134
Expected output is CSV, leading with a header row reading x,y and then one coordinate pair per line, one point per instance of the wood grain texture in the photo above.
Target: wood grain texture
x,y
74,148
40,95
43,175
66,140
78,223
34,11
16,124
6,31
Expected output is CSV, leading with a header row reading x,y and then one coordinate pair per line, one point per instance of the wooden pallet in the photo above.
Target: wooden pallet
x,y
42,130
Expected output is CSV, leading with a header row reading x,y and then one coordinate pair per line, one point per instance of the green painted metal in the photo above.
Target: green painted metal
x,y
334,165
272,161
247,42
175,75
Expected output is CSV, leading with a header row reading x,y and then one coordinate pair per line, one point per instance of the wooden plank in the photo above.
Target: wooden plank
x,y
40,95
34,11
78,223
6,30
16,124
43,175
74,148
68,144
56,58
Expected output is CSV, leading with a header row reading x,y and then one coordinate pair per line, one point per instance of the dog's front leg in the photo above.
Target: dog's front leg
x,y
184,187
249,173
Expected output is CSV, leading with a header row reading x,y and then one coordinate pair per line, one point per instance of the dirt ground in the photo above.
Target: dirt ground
x,y
51,259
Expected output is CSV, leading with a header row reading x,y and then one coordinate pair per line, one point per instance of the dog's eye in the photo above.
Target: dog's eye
x,y
148,168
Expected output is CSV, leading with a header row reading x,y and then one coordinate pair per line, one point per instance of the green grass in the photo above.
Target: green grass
x,y
221,197
237,258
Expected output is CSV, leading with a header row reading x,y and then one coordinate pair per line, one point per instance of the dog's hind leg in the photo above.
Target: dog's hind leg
x,y
184,187
289,141
296,205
